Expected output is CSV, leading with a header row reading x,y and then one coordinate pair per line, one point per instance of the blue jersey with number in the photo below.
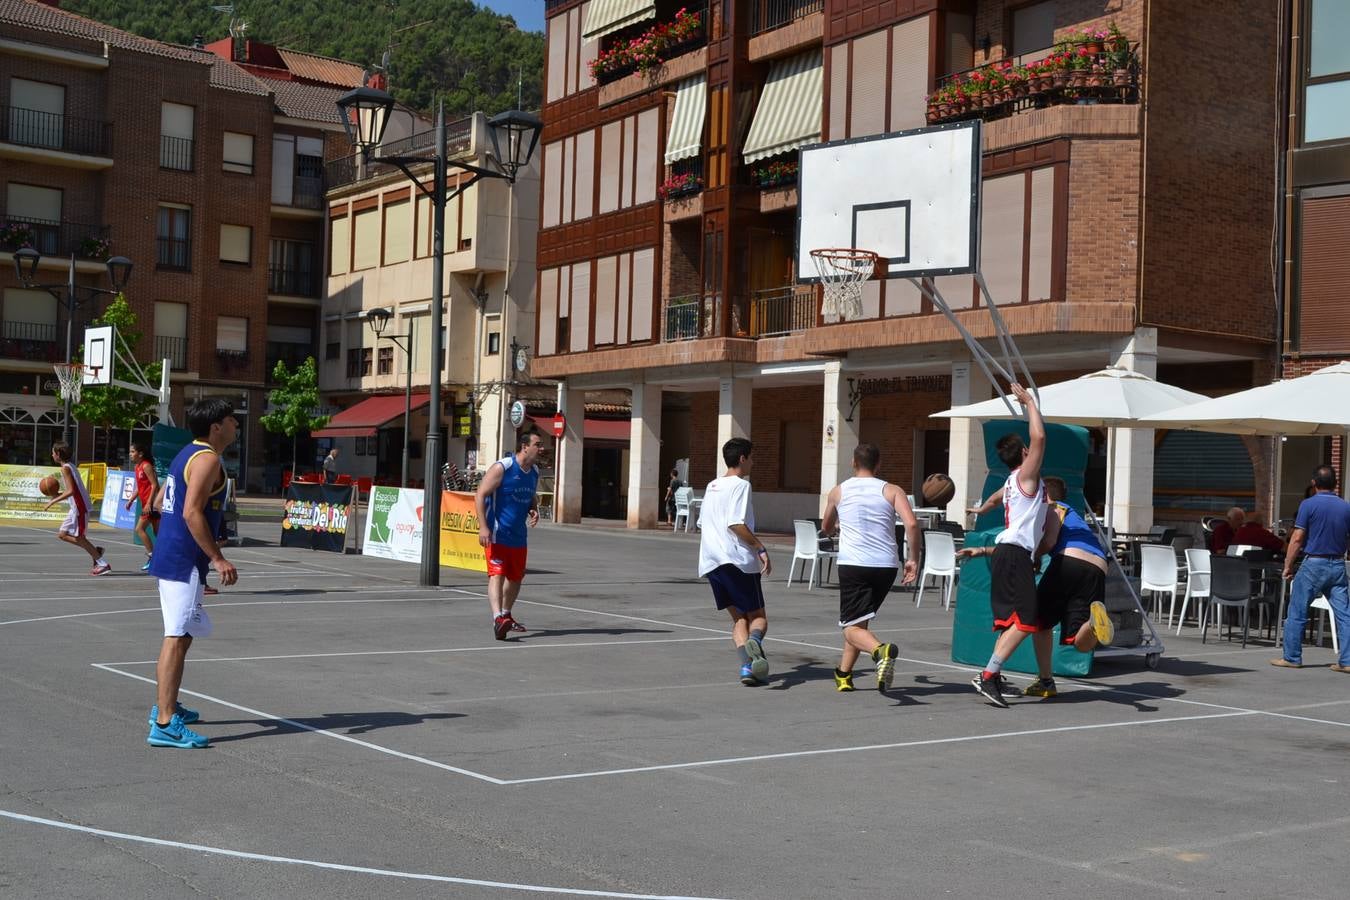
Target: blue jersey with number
x,y
509,505
176,550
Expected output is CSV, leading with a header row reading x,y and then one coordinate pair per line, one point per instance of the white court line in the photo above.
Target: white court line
x,y
338,867
211,606
310,728
150,592
305,576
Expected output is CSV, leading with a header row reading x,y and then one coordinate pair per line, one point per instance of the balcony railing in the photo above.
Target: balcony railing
x,y
293,355
662,41
295,282
686,177
767,14
175,153
173,253
684,318
307,192
33,341
782,310
354,169
53,131
174,349
55,238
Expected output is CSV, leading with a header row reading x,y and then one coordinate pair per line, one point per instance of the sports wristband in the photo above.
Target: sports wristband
x,y
762,551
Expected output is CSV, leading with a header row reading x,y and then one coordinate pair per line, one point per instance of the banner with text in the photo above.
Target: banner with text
x,y
317,515
394,524
459,533
20,497
118,488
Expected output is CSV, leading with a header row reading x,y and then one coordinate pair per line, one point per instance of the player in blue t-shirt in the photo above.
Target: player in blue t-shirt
x,y
506,504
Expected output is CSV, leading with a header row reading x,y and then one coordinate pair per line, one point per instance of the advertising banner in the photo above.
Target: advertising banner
x,y
118,488
317,515
20,497
459,533
394,524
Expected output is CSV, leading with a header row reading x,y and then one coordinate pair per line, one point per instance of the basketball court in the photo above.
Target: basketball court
x,y
370,738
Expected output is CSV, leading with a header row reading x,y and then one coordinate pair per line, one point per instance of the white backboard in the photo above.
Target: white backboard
x,y
100,342
913,197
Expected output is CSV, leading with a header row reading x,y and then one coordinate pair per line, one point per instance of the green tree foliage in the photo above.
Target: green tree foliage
x,y
108,406
468,54
294,402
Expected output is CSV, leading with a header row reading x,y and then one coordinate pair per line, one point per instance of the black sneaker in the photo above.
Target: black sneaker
x,y
988,688
1007,688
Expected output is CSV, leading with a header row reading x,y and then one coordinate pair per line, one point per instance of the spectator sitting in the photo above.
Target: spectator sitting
x,y
1254,534
1225,531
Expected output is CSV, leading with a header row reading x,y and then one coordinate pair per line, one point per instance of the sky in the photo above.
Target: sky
x,y
529,14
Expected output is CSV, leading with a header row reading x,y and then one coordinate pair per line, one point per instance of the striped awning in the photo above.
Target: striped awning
x,y
686,126
790,109
604,16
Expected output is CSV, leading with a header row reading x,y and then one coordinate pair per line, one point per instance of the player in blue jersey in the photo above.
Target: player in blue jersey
x,y
190,515
506,504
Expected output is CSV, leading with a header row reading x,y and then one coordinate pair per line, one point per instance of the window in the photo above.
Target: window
x,y
494,343
1033,29
339,245
1327,93
28,317
238,153
36,113
171,333
290,268
232,334
174,237
175,136
397,232
332,341
386,361
358,362
236,244
366,246
308,173
38,208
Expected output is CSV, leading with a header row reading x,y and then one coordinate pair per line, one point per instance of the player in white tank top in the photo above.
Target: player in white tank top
x,y
865,509
1023,513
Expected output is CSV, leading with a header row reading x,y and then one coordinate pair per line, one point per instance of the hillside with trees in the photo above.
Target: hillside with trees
x,y
456,49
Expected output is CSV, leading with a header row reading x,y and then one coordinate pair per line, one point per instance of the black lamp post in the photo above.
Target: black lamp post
x,y
365,112
379,321
26,262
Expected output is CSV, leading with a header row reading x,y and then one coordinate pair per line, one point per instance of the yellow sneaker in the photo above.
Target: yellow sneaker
x,y
1101,623
843,681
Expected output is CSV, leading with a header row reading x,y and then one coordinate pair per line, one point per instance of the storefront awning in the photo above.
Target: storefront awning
x,y
605,16
790,109
593,429
363,419
686,126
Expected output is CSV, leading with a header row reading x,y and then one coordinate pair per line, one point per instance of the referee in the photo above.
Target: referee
x,y
1321,531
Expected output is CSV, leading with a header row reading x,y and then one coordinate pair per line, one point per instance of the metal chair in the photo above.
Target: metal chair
x,y
1159,575
939,561
1230,586
1197,584
682,496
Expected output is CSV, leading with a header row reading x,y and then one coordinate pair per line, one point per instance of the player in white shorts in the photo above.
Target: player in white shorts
x,y
72,530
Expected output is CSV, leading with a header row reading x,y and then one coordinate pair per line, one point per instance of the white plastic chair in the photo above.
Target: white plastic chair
x,y
806,549
1324,607
1239,549
1197,584
682,496
1159,575
939,561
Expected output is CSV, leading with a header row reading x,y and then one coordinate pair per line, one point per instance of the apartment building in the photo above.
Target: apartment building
x,y
380,257
1128,219
208,177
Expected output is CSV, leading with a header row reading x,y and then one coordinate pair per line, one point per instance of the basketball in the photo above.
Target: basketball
x,y
938,490
50,485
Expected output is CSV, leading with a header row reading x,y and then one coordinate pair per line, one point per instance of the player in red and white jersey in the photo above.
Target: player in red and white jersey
x,y
77,520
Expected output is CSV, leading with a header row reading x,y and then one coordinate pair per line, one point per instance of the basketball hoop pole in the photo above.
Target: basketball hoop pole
x,y
983,358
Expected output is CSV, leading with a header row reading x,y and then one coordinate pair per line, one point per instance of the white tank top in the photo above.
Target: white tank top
x,y
1023,514
866,525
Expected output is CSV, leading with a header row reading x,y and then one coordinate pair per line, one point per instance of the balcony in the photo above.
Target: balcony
x,y
779,311
684,318
355,169
307,192
293,355
628,53
31,341
55,239
769,14
174,349
292,282
175,153
51,137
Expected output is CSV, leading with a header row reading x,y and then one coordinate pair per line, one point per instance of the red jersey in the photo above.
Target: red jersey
x,y
144,489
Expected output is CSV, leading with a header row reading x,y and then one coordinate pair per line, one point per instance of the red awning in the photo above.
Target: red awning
x,y
593,430
365,417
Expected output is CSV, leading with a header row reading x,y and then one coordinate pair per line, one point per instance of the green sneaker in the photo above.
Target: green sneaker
x,y
884,656
843,681
1041,687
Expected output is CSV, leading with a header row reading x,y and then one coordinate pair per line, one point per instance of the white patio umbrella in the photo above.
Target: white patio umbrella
x,y
1111,398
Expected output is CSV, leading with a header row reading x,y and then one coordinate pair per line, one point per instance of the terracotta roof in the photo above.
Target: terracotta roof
x,y
41,17
306,101
322,68
228,76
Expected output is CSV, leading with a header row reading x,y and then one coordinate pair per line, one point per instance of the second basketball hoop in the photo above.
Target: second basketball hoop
x,y
842,271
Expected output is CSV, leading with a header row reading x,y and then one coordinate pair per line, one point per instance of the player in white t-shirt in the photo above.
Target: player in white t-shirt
x,y
734,560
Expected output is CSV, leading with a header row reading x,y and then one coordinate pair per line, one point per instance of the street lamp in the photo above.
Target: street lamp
x,y
26,262
379,321
365,112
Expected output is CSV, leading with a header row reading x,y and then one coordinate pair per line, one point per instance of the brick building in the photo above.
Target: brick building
x,y
206,176
1128,219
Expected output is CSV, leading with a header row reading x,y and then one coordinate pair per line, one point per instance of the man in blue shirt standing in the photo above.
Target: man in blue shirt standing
x,y
505,503
1321,531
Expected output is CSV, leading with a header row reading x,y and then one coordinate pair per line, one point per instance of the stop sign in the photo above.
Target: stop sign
x,y
559,423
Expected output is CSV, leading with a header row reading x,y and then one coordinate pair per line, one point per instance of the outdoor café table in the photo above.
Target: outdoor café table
x,y
1126,547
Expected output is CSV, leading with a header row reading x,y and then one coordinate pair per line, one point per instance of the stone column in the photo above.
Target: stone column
x,y
567,467
644,457
733,415
965,444
838,436
1132,496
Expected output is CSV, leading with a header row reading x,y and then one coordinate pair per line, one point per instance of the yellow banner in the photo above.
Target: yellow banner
x,y
20,497
459,533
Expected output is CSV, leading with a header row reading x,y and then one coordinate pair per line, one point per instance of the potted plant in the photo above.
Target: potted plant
x,y
679,185
1090,39
1080,61
16,235
1119,56
94,248
776,173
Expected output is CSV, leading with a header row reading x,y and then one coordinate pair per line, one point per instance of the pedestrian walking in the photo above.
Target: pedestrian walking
x,y
507,503
1321,531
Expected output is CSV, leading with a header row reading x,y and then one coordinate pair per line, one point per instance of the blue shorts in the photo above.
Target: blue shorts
x,y
732,587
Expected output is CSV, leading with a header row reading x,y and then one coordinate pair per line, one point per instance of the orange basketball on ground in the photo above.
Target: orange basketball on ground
x,y
49,485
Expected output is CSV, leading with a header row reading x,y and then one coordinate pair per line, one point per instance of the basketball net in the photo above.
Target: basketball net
x,y
842,272
71,376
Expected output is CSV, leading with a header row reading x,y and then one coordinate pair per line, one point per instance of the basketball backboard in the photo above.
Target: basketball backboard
x,y
100,349
912,197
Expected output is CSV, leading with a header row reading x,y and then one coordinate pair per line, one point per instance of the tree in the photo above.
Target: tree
x,y
108,406
294,402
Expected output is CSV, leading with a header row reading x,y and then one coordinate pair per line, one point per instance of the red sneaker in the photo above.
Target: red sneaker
x,y
100,570
516,626
500,626
208,590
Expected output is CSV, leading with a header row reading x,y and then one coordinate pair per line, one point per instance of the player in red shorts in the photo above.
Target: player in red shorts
x,y
72,530
147,485
506,505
